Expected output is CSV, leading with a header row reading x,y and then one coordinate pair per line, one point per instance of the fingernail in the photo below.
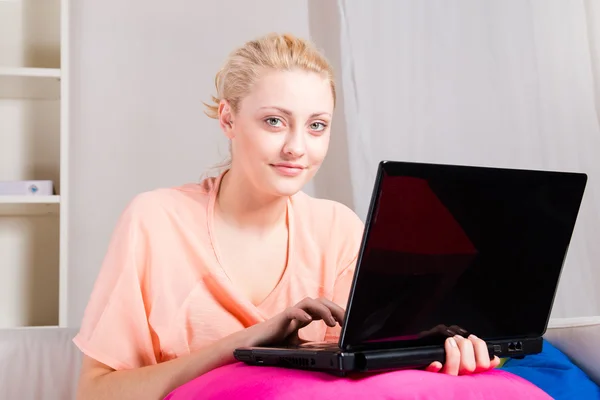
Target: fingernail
x,y
453,342
332,320
473,336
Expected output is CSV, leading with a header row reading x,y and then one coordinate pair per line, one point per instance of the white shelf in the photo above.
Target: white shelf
x,y
30,72
34,136
30,83
29,205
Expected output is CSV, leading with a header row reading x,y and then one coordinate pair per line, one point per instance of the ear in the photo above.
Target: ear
x,y
226,118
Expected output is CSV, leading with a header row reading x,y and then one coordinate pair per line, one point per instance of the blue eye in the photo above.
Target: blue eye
x,y
274,122
317,126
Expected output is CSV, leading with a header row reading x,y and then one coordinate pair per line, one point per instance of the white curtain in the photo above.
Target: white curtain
x,y
507,83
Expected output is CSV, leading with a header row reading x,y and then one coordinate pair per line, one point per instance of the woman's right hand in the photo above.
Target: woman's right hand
x,y
283,327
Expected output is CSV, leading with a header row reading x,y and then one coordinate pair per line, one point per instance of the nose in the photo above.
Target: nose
x,y
294,145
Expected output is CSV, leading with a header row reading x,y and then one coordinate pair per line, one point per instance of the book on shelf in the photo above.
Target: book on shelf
x,y
27,188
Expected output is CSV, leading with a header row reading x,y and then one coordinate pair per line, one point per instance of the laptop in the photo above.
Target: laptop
x,y
447,249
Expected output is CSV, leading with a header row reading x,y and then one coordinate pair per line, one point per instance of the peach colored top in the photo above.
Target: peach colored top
x,y
161,292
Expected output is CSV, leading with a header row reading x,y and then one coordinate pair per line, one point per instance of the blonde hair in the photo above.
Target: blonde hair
x,y
281,52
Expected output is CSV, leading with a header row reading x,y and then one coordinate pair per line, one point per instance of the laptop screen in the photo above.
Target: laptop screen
x,y
453,249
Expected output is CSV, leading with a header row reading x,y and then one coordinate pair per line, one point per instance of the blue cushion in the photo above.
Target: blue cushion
x,y
553,372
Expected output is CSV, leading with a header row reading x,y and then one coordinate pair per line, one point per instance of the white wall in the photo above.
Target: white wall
x,y
140,71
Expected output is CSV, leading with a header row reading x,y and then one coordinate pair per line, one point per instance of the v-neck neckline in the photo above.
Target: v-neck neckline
x,y
227,284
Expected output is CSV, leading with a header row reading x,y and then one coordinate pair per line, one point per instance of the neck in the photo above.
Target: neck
x,y
239,205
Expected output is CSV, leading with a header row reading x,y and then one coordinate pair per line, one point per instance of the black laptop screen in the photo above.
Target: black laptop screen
x,y
477,249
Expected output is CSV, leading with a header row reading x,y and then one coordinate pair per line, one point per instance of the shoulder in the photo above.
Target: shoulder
x,y
185,200
152,227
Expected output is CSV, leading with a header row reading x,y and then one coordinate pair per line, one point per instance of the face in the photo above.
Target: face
x,y
280,133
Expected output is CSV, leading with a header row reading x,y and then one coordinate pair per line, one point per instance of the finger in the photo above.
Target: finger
x,y
298,314
338,312
467,356
495,362
482,355
435,366
441,328
452,363
457,330
317,310
436,331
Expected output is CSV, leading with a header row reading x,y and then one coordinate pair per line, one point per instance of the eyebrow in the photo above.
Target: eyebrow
x,y
289,113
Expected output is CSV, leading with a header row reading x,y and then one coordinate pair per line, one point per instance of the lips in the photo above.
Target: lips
x,y
288,169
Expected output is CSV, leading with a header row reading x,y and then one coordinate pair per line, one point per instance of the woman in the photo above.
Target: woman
x,y
242,259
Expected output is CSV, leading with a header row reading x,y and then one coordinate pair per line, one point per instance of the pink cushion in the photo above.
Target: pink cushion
x,y
239,381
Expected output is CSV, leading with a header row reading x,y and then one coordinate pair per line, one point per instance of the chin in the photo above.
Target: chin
x,y
286,186
281,185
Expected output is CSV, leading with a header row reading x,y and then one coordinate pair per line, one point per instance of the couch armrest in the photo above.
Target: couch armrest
x,y
579,339
38,363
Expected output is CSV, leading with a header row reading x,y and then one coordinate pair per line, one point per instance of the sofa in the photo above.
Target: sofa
x,y
41,363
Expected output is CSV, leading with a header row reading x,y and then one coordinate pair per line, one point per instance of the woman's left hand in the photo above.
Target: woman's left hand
x,y
465,356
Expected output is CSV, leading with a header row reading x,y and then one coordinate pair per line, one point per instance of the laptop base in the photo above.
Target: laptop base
x,y
339,362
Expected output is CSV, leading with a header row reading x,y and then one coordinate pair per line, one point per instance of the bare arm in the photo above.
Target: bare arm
x,y
99,381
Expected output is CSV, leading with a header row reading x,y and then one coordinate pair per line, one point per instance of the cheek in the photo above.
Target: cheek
x,y
260,145
318,149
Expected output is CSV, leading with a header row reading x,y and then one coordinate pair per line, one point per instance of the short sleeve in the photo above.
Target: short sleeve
x,y
115,329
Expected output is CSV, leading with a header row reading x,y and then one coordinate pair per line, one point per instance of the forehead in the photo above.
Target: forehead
x,y
301,92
